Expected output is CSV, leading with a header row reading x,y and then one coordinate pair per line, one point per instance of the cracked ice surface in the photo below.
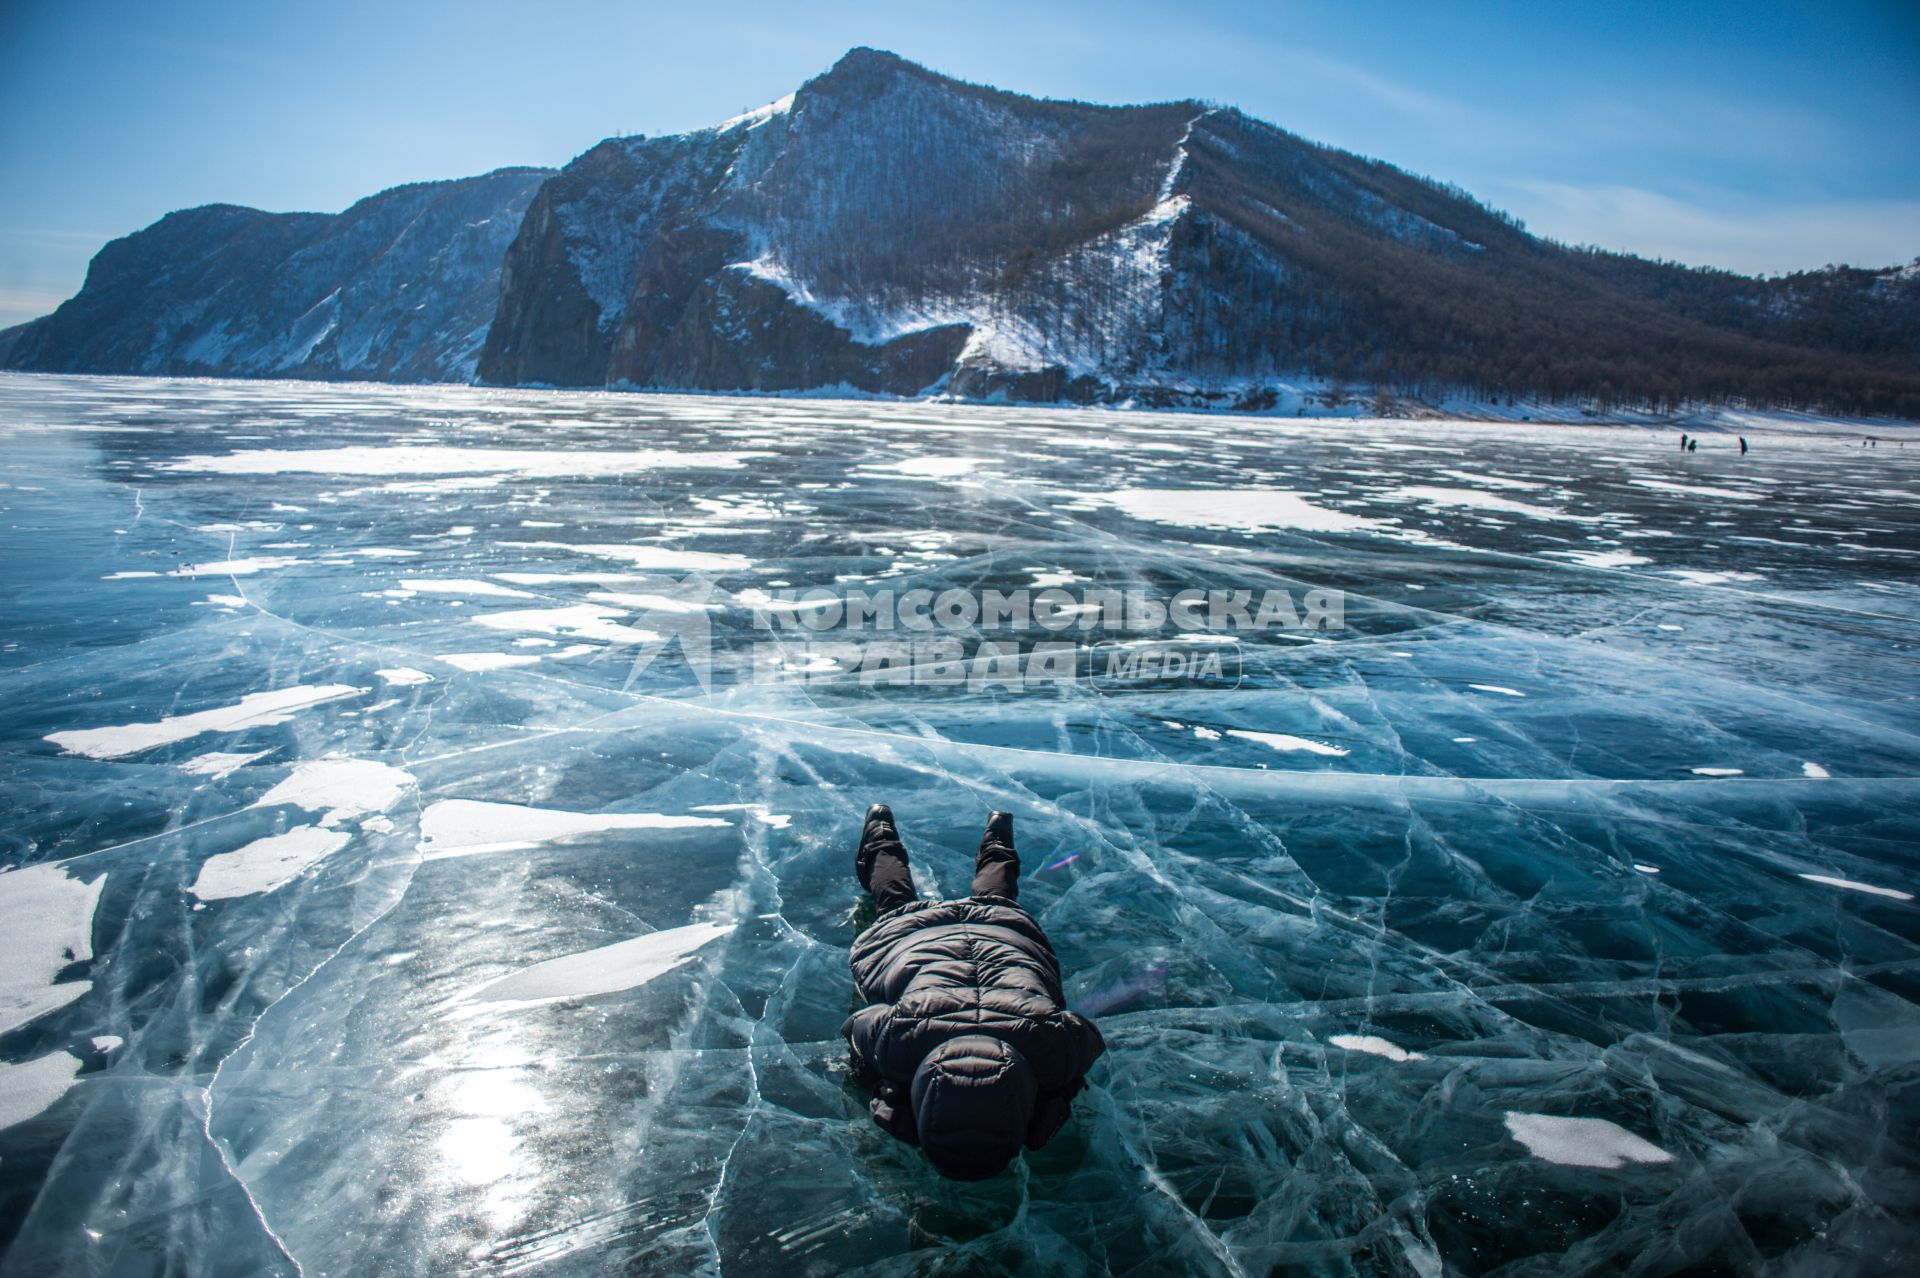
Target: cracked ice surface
x,y
1554,915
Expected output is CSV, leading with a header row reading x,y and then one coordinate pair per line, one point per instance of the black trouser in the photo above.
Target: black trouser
x,y
996,872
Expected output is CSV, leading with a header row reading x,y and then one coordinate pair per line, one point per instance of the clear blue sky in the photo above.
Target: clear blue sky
x,y
1758,136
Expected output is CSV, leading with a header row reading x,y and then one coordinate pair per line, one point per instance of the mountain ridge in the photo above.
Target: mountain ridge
x,y
399,286
890,230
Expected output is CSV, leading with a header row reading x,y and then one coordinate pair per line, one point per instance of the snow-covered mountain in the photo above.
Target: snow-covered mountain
x,y
400,287
888,229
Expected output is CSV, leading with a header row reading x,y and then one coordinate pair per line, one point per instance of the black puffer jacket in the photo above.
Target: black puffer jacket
x,y
937,971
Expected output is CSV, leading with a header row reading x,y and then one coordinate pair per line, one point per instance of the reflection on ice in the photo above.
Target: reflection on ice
x,y
490,1096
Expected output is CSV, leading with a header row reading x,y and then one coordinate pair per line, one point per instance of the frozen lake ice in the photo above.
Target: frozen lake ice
x,y
415,865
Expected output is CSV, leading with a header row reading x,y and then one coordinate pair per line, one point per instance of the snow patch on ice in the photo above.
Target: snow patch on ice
x,y
1814,770
1475,499
266,864
462,586
1702,577
1602,558
778,820
217,764
643,556
341,788
1854,885
1490,481
234,567
1374,1046
404,676
48,917
610,969
466,827
1494,687
449,459
29,1090
1286,741
1235,509
1582,1142
254,710
650,602
568,578
579,621
478,662
928,467
1696,490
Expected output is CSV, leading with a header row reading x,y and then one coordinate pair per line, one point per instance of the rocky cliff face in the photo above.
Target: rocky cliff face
x,y
875,230
887,229
401,287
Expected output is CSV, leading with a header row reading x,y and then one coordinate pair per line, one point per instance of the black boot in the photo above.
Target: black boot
x,y
999,831
877,831
996,870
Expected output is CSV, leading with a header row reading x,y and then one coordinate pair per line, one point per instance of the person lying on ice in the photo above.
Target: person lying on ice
x,y
965,1044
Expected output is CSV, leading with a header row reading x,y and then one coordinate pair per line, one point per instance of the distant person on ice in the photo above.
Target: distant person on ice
x,y
965,1043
